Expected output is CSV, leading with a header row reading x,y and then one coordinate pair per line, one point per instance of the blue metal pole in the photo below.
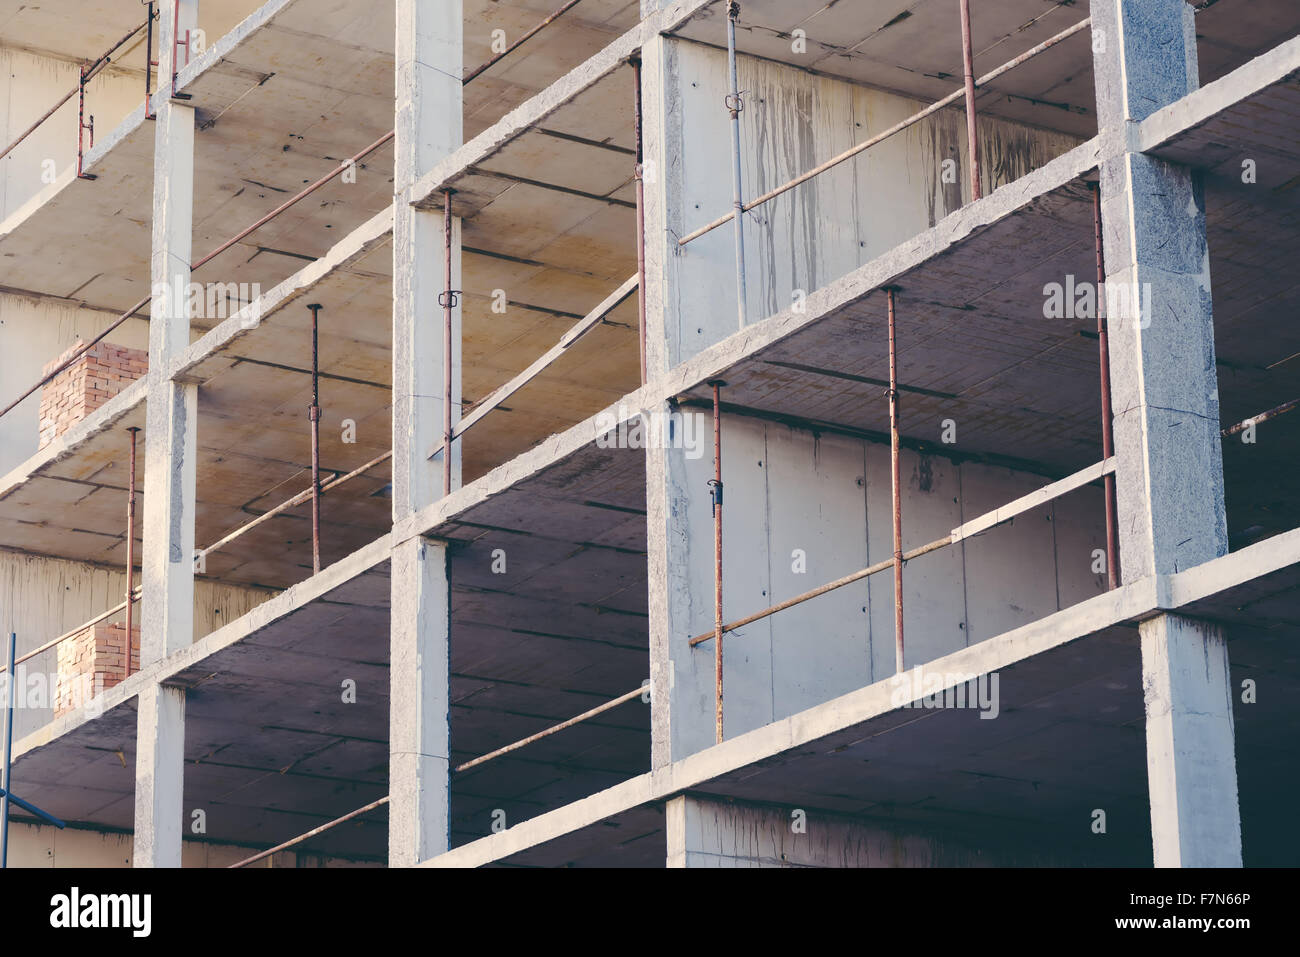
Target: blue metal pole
x,y
9,744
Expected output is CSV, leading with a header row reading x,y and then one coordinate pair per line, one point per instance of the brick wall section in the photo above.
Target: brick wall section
x,y
91,661
87,384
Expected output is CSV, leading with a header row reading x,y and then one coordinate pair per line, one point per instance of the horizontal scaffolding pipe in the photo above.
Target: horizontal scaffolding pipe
x,y
999,516
310,834
870,570
1273,413
915,118
579,329
242,234
76,631
63,366
303,496
100,63
599,709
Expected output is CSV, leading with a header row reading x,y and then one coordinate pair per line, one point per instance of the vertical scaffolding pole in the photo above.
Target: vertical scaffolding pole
x,y
897,487
448,302
716,485
148,61
1107,423
130,557
734,105
640,211
10,684
968,62
313,413
81,117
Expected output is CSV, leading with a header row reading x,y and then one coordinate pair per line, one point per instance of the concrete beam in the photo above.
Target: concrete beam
x,y
171,451
1191,760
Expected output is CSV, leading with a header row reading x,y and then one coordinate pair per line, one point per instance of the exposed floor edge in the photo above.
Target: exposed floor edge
x,y
505,476
1235,568
264,615
346,251
214,54
15,220
536,109
99,421
1204,104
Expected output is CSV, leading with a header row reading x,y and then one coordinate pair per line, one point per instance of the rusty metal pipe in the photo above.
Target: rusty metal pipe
x,y
81,116
351,161
448,302
532,32
148,60
599,709
313,413
1272,413
968,64
640,211
1107,413
310,834
735,106
897,485
717,553
883,135
130,555
824,589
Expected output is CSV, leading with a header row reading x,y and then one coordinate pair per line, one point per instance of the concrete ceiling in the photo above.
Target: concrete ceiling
x,y
266,765
913,47
84,29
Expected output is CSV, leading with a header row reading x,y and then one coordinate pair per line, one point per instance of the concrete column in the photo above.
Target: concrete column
x,y
1191,766
419,731
1169,481
428,124
171,436
167,565
159,777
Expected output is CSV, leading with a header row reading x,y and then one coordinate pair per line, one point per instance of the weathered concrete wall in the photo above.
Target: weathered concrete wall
x,y
707,832
32,845
801,510
792,121
42,598
32,332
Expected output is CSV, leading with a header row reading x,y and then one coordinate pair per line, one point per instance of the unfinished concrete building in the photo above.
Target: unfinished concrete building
x,y
374,373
